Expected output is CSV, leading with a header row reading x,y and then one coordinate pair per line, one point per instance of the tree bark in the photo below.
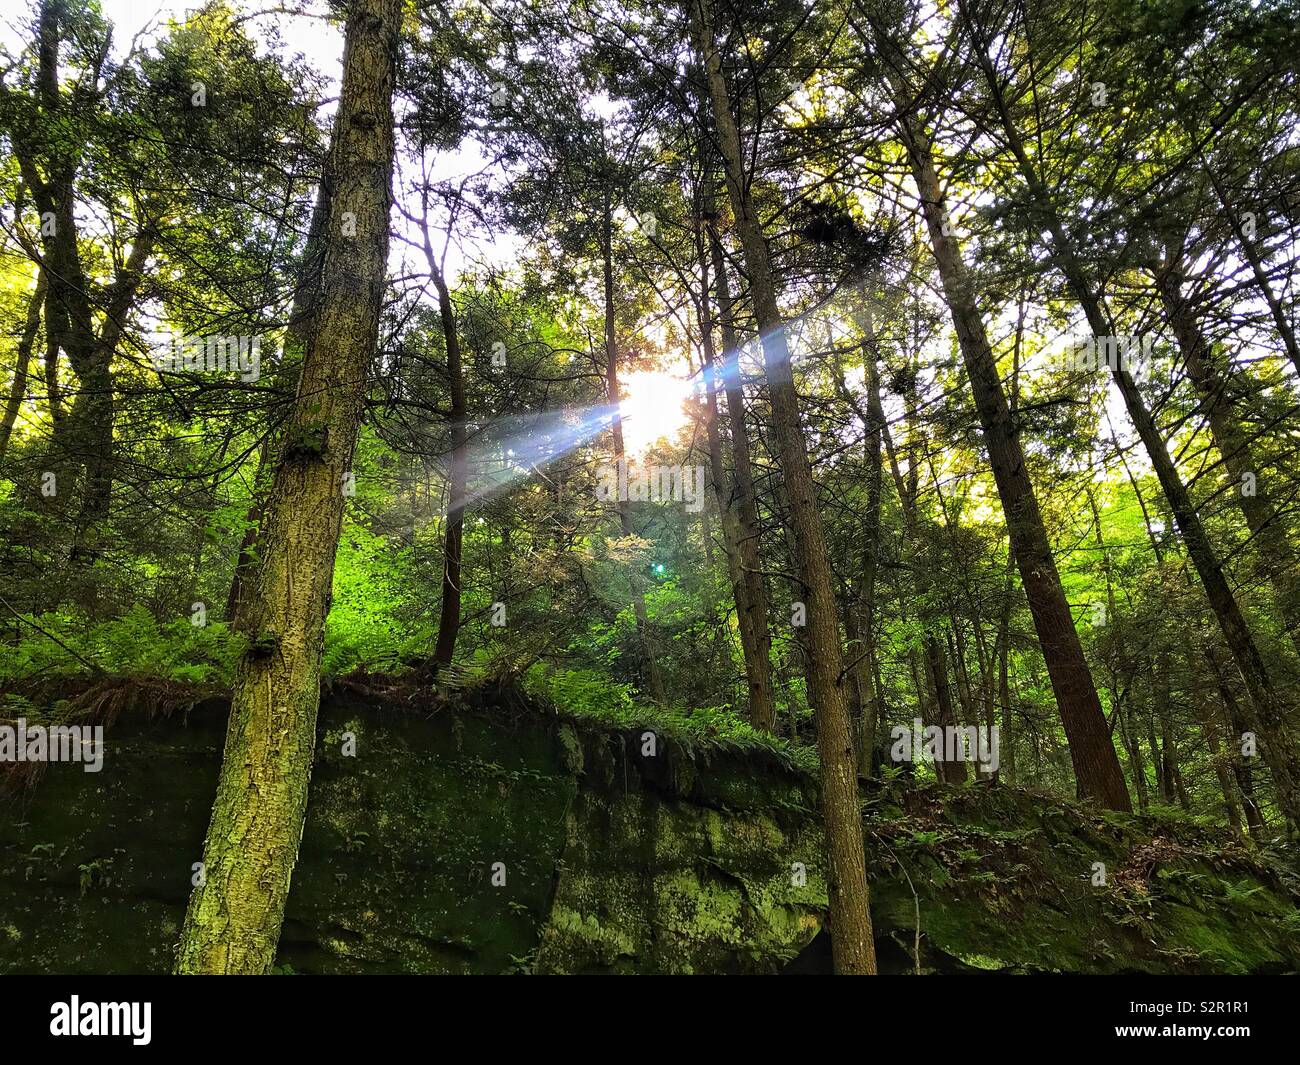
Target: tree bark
x,y
233,921
744,495
850,918
758,669
1096,765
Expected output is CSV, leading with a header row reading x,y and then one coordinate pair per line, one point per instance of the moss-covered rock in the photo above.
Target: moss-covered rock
x,y
1008,881
498,836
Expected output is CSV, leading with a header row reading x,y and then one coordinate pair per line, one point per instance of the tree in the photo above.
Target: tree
x,y
233,920
850,899
1096,765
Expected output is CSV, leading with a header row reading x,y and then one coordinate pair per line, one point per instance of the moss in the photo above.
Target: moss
x,y
706,857
263,644
1005,877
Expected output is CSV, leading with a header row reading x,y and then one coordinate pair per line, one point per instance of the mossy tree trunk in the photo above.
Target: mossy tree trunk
x,y
233,921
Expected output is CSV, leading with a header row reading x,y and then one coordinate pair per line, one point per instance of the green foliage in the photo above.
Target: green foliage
x,y
134,644
582,692
372,623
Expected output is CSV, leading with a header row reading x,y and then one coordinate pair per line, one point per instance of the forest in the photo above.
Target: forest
x,y
611,486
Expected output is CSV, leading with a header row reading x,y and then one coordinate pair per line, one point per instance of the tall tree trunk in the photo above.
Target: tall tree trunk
x,y
1269,716
850,916
985,663
22,360
905,488
757,669
1137,764
957,652
53,387
948,770
649,656
746,499
1233,443
754,646
863,609
93,414
1159,763
1278,741
859,620
1119,711
957,642
233,921
69,318
95,410
706,535
1242,772
1007,738
1210,727
1096,765
1173,776
449,611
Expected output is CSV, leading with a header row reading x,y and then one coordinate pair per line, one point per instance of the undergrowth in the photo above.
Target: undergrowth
x,y
135,644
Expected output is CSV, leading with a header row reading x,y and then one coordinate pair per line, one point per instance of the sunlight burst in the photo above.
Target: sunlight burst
x,y
653,408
